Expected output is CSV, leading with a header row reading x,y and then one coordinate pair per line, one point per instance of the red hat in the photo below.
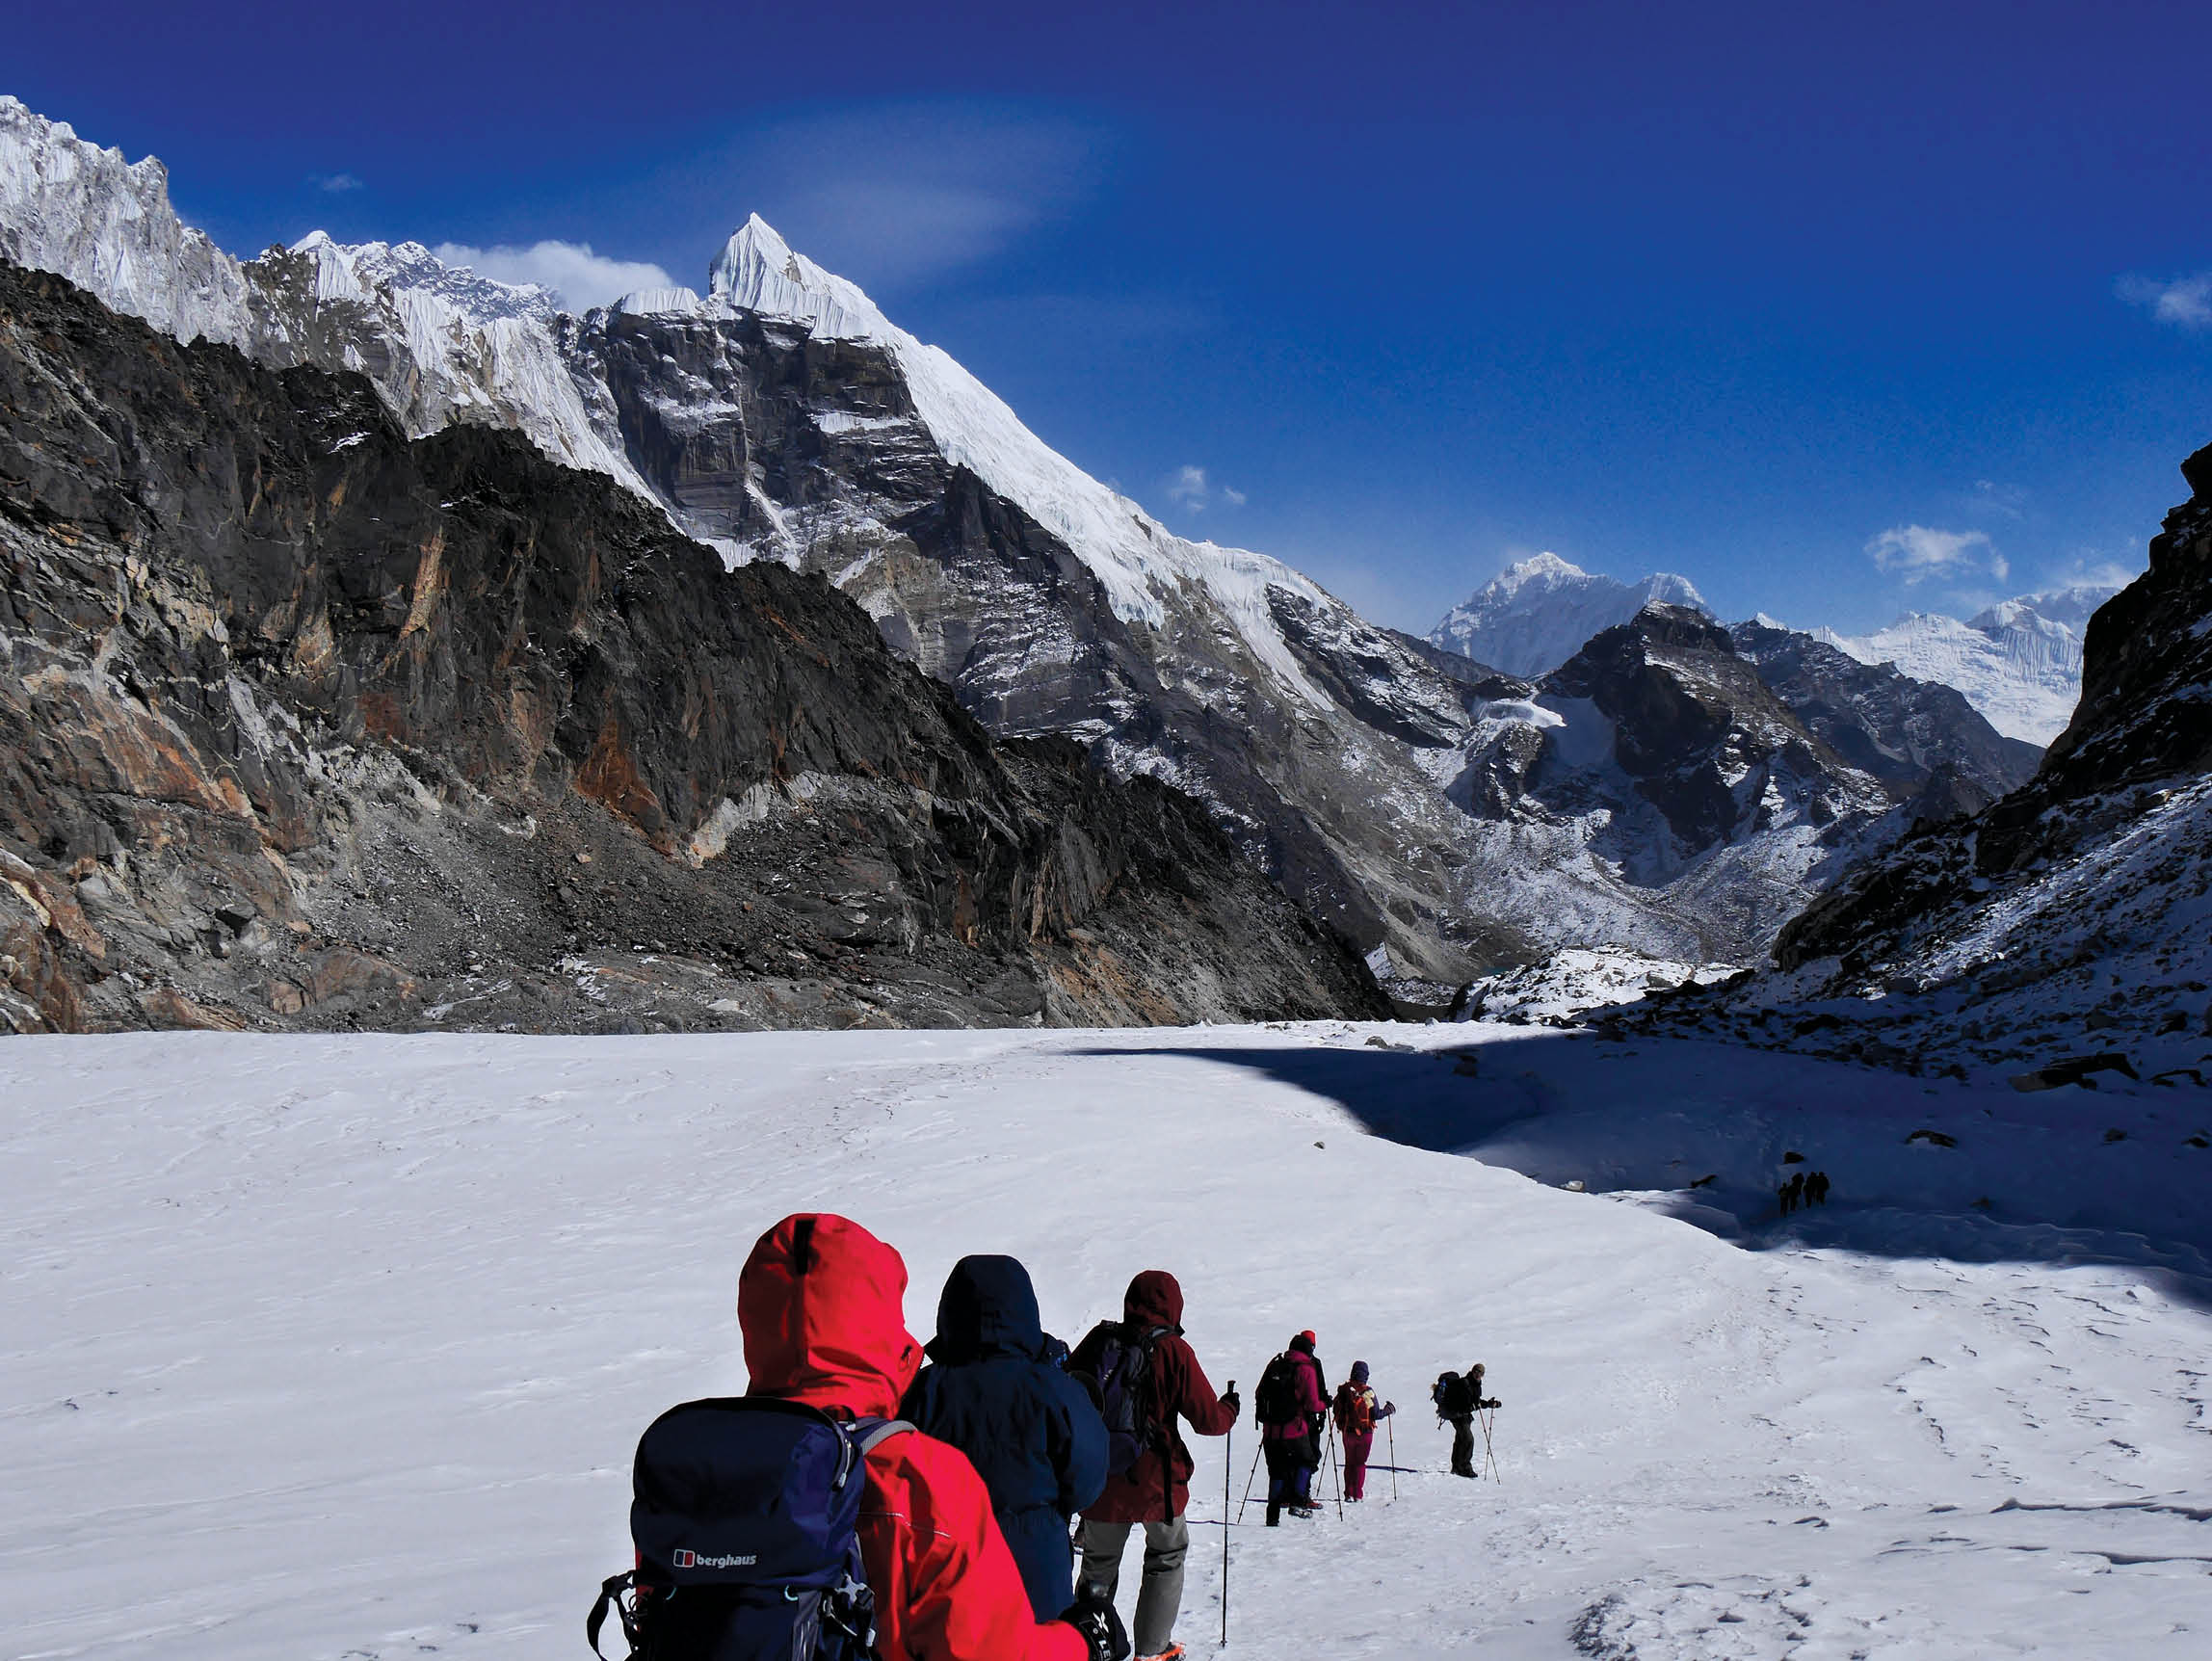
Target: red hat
x,y
1308,1337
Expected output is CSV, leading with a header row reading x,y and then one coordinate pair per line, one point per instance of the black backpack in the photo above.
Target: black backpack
x,y
1274,1398
1126,1389
1453,1396
745,1515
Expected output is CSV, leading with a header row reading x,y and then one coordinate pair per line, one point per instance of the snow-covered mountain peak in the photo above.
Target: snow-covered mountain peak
x,y
85,212
1536,613
2019,662
757,270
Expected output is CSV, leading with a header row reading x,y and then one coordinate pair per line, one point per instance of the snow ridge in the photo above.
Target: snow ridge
x,y
82,212
1536,614
1141,563
2019,662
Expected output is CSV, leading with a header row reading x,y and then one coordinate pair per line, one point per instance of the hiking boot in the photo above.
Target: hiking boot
x,y
1172,1653
1303,1509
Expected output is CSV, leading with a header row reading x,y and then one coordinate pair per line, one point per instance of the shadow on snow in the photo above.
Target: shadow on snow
x,y
2029,1179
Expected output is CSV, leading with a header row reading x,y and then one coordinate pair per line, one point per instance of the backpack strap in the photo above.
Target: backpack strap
x,y
880,1435
611,1598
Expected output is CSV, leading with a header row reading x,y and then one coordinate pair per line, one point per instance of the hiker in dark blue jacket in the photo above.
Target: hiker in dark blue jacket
x,y
1031,1431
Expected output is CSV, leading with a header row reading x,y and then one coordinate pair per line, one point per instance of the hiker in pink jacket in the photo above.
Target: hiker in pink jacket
x,y
1291,1404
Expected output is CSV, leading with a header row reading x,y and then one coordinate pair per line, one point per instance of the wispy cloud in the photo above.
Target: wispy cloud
x,y
1190,490
2183,302
335,184
895,194
1915,553
2088,571
581,277
1991,496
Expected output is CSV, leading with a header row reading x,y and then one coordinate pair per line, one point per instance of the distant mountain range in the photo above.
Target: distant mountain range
x,y
2019,662
1643,776
2063,930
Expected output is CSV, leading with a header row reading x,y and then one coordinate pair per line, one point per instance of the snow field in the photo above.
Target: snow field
x,y
338,1347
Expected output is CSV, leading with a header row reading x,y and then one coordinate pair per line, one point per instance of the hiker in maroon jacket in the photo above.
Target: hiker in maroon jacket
x,y
1151,1491
1291,1429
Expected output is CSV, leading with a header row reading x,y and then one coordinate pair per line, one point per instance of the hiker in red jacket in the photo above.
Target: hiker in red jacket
x,y
1357,1413
1291,1420
822,1305
1153,1490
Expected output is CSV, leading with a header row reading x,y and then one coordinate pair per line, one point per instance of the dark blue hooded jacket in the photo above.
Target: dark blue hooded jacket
x,y
1029,1428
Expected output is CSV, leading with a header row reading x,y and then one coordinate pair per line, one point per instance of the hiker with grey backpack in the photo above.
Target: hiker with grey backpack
x,y
1147,1378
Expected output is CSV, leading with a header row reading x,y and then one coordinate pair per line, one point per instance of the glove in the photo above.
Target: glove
x,y
1102,1630
1388,1407
1232,1401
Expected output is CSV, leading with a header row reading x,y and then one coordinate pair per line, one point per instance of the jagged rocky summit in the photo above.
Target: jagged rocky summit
x,y
2065,928
1443,815
1680,791
305,723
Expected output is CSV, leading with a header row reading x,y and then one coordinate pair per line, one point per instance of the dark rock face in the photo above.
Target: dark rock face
x,y
758,433
2070,918
1903,732
2144,721
1701,735
302,724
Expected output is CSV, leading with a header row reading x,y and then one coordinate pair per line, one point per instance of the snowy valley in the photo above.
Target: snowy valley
x,y
354,1366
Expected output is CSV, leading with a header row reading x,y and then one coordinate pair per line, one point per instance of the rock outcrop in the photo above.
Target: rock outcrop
x,y
2072,917
305,723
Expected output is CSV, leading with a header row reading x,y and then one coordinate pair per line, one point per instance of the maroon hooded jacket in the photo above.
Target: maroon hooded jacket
x,y
1180,1390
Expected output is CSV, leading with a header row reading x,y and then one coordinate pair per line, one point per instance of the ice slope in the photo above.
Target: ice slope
x,y
71,207
338,1347
1141,563
2019,662
1536,614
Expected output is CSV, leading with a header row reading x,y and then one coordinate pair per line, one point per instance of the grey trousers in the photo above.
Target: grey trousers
x,y
1161,1595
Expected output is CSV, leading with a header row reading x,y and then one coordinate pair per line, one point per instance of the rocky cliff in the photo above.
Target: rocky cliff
x,y
305,722
2067,924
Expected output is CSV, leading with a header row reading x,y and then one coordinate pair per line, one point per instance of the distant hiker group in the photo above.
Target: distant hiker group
x,y
1294,1408
1804,1187
871,1496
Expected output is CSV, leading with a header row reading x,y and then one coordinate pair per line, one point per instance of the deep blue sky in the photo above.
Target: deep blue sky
x,y
1727,290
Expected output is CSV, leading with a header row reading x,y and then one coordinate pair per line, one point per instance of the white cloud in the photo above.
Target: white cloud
x,y
581,277
1190,490
1918,552
337,184
2184,302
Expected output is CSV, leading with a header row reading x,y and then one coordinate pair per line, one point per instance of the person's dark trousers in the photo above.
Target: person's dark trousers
x,y
1463,1447
1289,1471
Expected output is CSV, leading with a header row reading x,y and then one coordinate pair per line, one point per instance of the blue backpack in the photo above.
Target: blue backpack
x,y
745,1516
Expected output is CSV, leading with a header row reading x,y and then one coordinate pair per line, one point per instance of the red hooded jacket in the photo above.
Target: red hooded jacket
x,y
821,1303
1180,1387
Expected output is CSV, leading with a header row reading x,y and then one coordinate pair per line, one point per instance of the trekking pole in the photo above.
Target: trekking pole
x,y
1229,1469
1490,1453
1335,1473
1247,1482
1390,1425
